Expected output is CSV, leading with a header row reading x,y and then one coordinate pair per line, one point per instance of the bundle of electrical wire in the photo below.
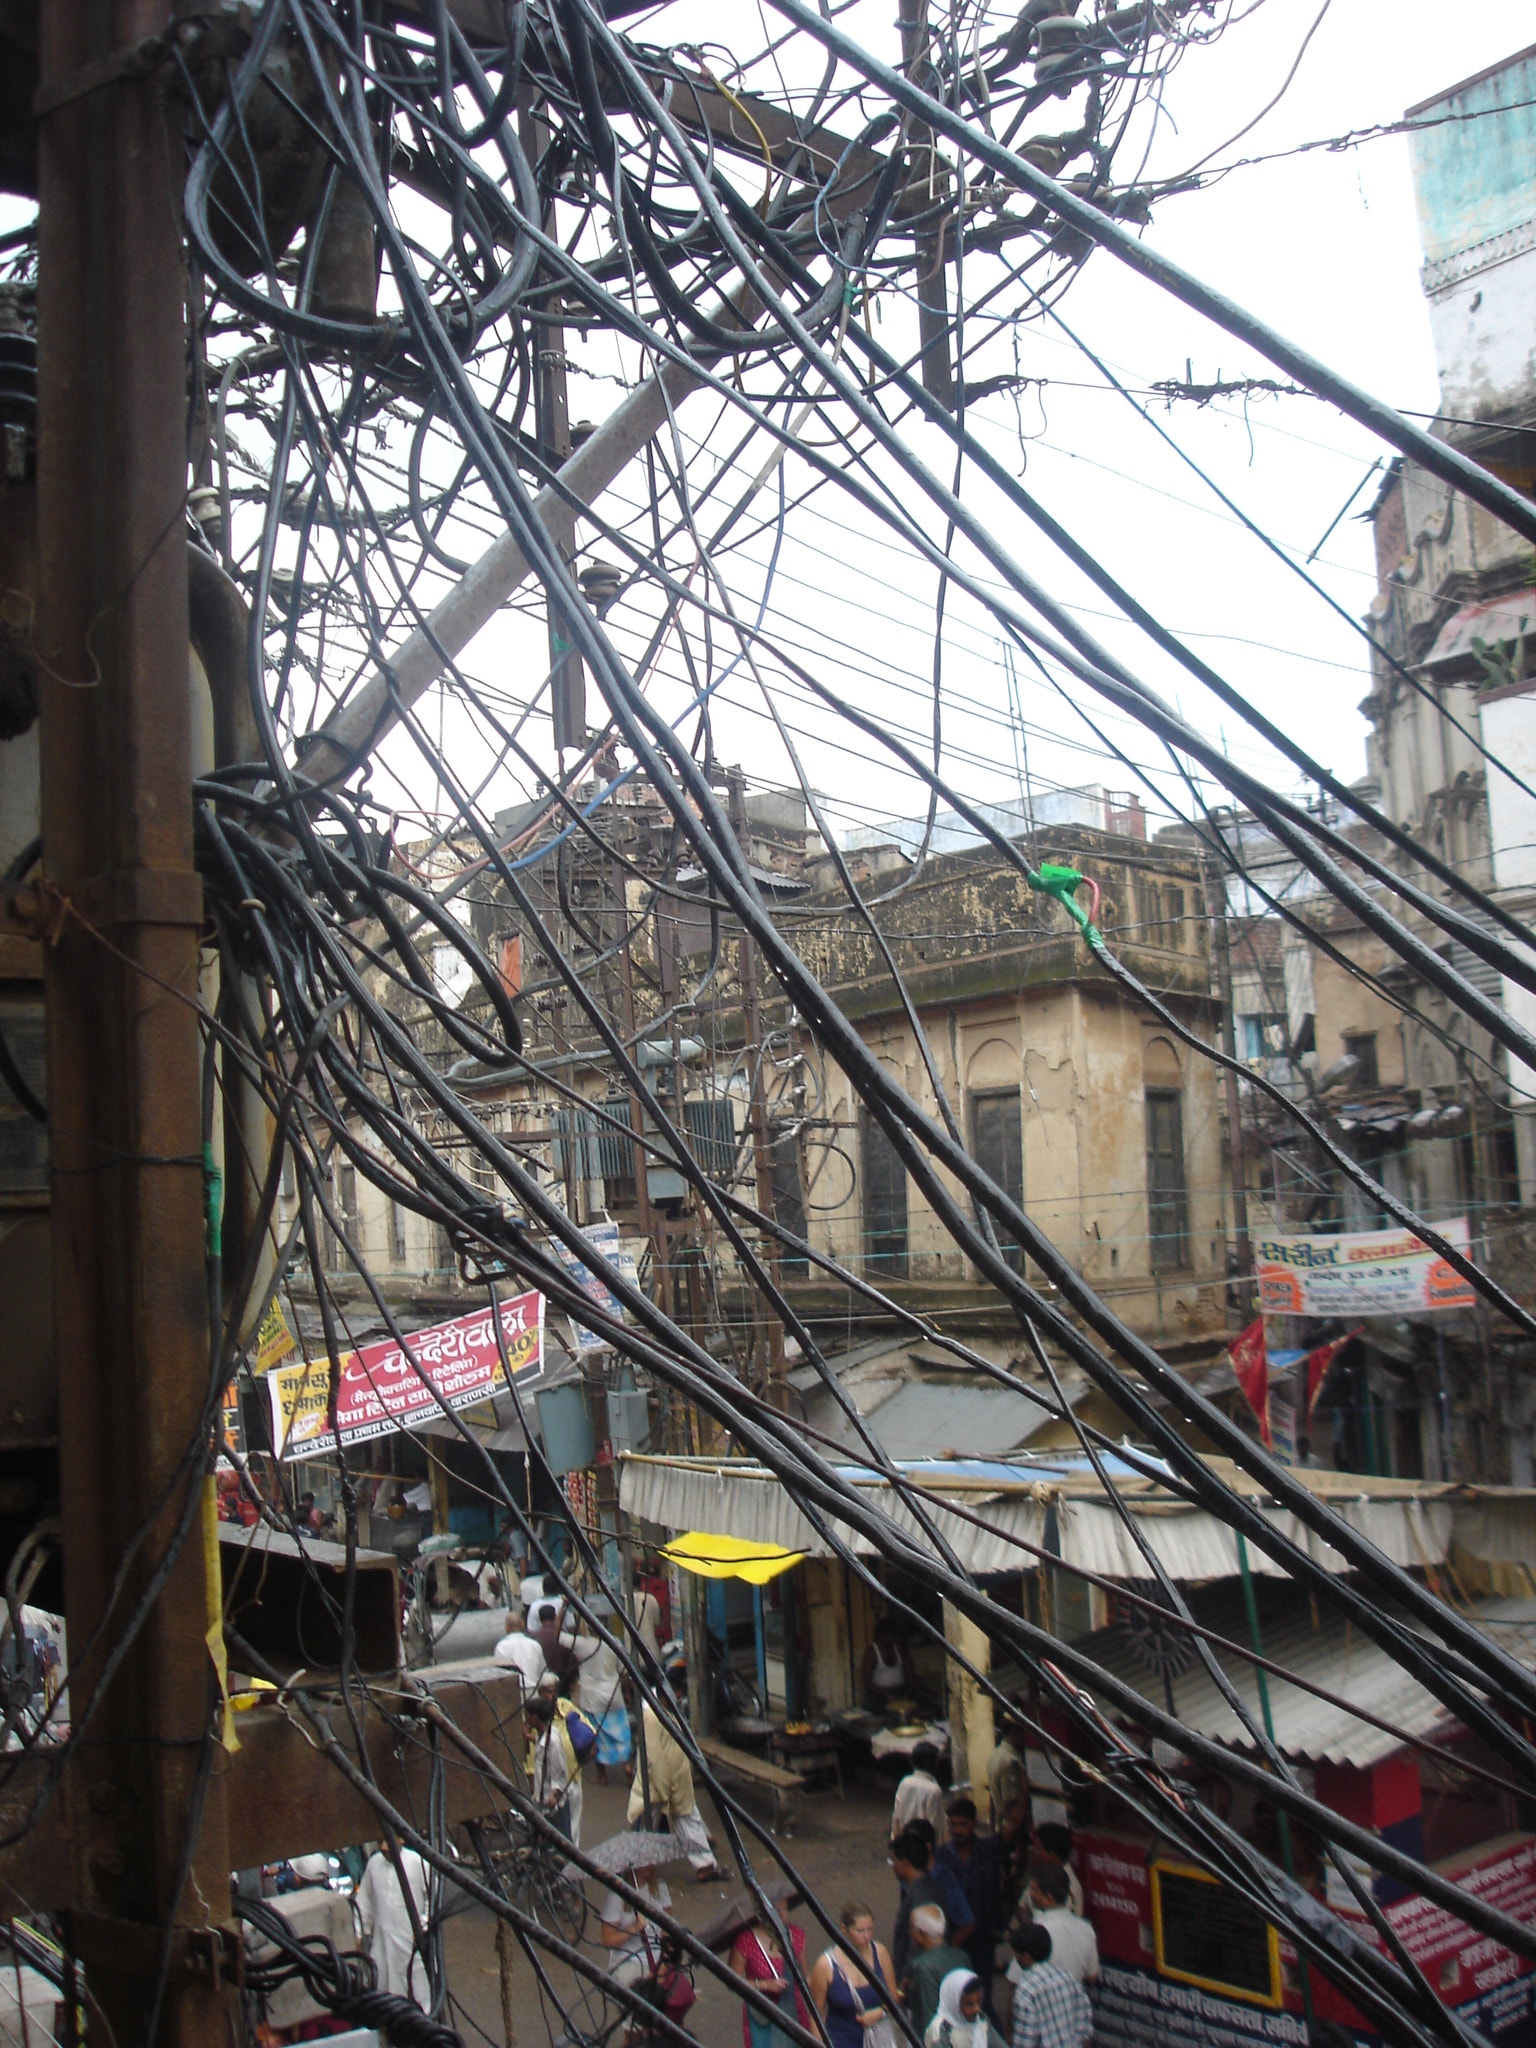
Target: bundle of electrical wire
x,y
567,177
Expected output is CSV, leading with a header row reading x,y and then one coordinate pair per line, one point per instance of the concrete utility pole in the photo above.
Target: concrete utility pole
x,y
552,427
1216,904
130,1299
752,1022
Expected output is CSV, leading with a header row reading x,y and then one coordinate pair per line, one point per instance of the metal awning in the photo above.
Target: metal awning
x,y
1496,621
1325,1652
1006,1506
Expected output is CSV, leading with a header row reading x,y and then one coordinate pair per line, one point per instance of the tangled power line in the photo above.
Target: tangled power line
x,y
401,225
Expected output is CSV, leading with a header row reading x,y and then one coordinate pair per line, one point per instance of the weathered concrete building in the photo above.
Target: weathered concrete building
x,y
1400,1077
1069,1094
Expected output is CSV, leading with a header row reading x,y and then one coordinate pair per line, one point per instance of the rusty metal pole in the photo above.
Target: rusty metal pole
x,y
752,1021
129,1274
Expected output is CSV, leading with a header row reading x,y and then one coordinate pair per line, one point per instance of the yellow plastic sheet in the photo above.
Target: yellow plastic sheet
x,y
729,1557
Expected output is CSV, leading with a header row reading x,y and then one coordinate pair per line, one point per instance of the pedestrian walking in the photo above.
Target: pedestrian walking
x,y
1008,1787
960,2021
1050,2008
980,1865
933,1959
522,1652
631,1937
1074,1945
1053,1844
920,1796
390,1914
921,1885
554,1768
601,1693
853,1987
759,1957
668,1781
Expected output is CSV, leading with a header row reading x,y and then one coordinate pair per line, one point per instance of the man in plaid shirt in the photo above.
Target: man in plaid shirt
x,y
1050,2009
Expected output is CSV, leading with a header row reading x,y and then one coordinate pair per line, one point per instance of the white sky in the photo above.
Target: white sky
x,y
1322,245
1325,247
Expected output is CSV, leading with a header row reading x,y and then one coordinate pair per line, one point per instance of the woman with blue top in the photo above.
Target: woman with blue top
x,y
852,1985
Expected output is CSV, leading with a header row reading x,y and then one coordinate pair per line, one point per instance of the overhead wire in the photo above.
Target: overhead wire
x,y
660,222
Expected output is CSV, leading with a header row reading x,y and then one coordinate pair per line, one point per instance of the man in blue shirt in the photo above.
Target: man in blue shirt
x,y
977,1862
922,1885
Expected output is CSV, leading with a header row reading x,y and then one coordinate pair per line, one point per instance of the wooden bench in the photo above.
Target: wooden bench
x,y
756,1770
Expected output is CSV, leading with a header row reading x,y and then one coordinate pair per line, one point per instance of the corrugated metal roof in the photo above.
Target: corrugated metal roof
x,y
943,1419
1329,1654
1410,1521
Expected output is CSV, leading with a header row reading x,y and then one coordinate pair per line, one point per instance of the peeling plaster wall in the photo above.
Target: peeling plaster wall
x,y
1077,1056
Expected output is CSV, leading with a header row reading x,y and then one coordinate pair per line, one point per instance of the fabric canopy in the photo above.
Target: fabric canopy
x,y
996,1520
730,1557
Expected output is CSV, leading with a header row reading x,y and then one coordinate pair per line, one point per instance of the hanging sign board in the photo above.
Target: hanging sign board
x,y
455,1365
274,1339
1367,1273
604,1240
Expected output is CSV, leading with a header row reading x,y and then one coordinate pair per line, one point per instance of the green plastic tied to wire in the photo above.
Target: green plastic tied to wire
x,y
213,1205
1051,879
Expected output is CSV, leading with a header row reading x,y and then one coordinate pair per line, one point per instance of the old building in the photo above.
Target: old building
x,y
1072,1095
1400,1077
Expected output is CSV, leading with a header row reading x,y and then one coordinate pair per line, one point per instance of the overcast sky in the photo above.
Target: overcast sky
x,y
1323,245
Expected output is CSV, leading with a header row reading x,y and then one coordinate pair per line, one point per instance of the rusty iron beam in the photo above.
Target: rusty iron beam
x,y
286,1799
283,1798
121,983
285,1600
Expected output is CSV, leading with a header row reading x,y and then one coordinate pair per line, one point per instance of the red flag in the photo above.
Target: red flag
x,y
1250,1362
1320,1361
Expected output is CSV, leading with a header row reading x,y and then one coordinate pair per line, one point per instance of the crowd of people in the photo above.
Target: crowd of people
x,y
579,1719
988,1947
965,1894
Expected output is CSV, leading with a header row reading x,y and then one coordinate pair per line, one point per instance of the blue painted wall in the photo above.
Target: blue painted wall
x,y
1476,178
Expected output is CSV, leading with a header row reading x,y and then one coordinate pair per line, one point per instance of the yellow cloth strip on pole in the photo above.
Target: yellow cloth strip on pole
x,y
729,1557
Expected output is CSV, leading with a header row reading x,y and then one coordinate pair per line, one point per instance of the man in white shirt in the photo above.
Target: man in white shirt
x,y
525,1655
1074,1945
389,1922
600,1695
920,1796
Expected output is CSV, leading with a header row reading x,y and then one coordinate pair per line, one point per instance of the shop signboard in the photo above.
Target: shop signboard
x,y
1364,1273
604,1240
231,1427
1177,1971
381,1389
274,1339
